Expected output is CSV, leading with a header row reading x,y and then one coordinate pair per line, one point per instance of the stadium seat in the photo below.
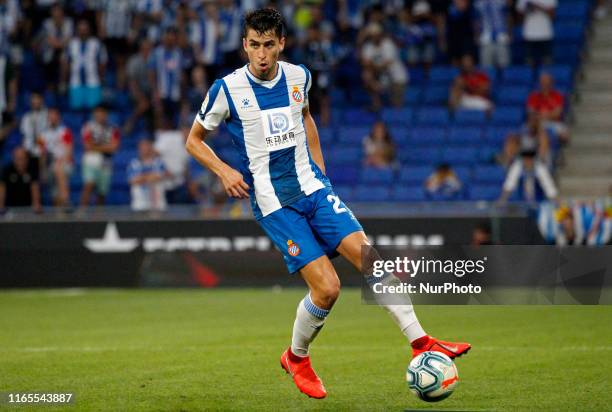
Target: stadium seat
x,y
464,174
118,197
470,117
368,193
491,73
467,135
458,155
374,175
442,75
352,134
484,192
508,116
119,176
327,135
569,33
562,74
517,75
495,135
397,117
512,95
337,97
436,95
344,156
122,101
486,154
566,53
427,136
400,135
421,156
572,10
412,96
408,193
489,175
437,116
414,175
123,157
357,117
115,118
74,121
343,174
416,74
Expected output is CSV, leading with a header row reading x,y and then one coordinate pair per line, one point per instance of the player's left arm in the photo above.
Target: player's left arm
x,y
312,136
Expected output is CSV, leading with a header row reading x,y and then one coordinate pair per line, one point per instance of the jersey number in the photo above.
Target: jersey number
x,y
336,201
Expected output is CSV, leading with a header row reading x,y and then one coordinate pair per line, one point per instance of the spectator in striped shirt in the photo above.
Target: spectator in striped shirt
x,y
56,32
56,143
83,66
493,21
114,21
532,179
166,74
32,124
146,175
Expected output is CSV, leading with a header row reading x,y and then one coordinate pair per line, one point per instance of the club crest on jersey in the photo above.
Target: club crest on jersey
x,y
293,248
297,96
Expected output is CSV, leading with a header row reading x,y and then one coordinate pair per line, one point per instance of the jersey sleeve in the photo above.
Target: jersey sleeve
x,y
215,108
307,83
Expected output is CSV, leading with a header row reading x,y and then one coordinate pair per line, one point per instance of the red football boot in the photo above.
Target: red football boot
x,y
304,377
450,349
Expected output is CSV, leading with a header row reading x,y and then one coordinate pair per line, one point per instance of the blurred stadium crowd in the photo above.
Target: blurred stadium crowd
x,y
415,100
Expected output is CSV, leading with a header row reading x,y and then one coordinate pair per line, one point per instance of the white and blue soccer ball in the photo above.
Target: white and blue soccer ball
x,y
432,376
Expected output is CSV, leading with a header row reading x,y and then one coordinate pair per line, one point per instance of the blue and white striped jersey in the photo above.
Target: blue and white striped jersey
x,y
266,123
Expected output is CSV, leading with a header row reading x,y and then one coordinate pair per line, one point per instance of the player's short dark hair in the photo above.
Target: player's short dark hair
x,y
264,21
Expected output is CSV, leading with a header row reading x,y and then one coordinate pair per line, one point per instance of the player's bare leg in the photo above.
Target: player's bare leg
x,y
403,315
324,286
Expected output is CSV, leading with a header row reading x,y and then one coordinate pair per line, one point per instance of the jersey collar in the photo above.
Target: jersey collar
x,y
265,83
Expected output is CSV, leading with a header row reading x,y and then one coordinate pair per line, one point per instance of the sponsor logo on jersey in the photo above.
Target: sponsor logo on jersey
x,y
278,122
278,128
293,248
297,96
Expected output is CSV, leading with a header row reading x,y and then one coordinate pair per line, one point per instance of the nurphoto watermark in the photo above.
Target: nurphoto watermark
x,y
492,274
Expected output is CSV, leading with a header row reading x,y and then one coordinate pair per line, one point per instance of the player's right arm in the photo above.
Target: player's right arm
x,y
231,179
214,111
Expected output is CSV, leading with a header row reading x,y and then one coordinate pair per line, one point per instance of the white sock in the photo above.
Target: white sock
x,y
309,320
403,314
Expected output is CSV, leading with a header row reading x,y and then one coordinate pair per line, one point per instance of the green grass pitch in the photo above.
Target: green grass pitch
x,y
191,350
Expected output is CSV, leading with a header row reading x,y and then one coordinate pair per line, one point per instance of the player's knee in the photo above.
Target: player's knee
x,y
330,291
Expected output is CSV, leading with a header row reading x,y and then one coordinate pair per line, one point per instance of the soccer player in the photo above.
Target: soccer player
x,y
265,107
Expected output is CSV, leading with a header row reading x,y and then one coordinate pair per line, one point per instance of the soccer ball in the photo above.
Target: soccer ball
x,y
432,376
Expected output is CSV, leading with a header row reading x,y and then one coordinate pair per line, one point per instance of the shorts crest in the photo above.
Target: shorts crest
x,y
292,248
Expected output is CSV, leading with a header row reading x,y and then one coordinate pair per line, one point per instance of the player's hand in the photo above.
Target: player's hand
x,y
234,184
